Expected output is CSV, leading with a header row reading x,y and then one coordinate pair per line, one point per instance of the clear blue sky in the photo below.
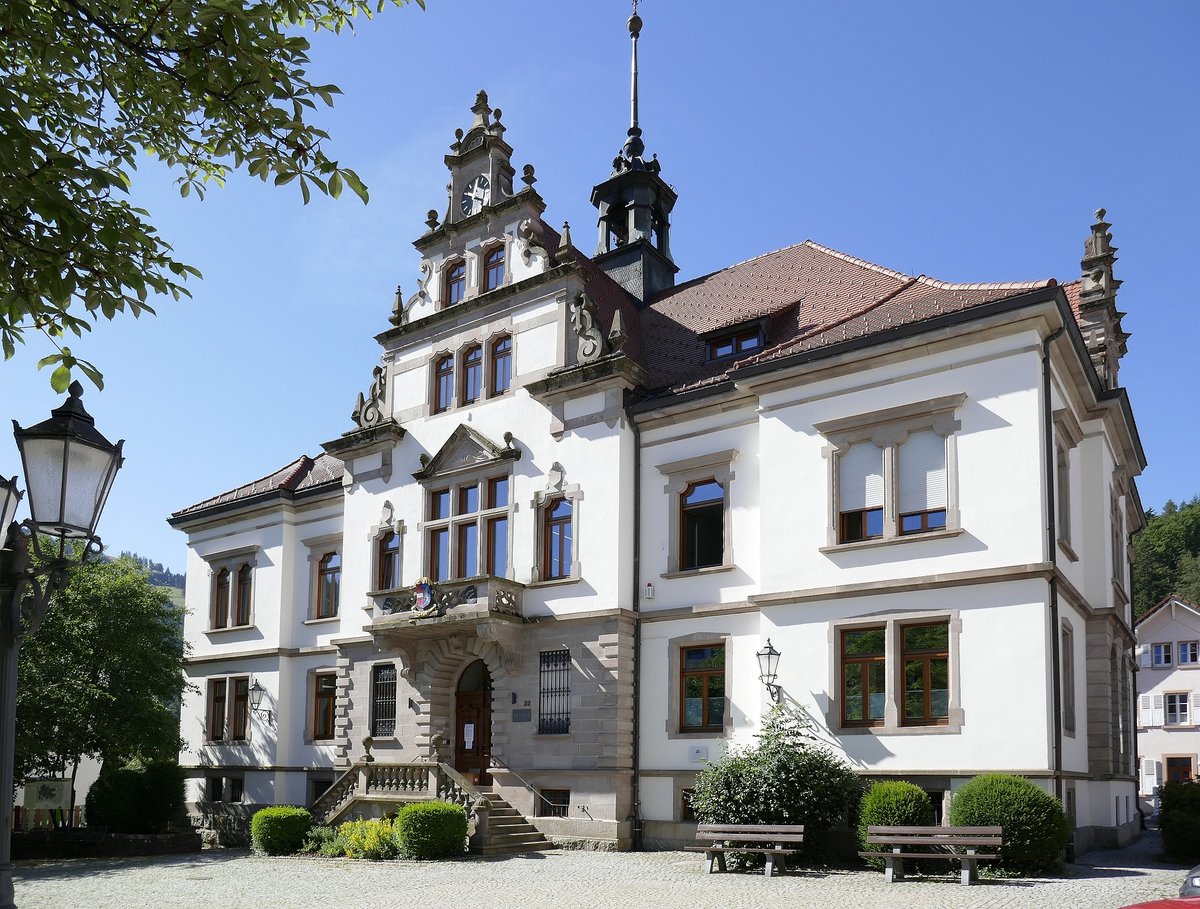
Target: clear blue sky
x,y
966,141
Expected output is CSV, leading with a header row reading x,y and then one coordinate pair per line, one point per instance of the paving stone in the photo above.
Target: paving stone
x,y
233,879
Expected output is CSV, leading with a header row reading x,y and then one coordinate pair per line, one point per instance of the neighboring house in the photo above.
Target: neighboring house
x,y
1168,685
580,498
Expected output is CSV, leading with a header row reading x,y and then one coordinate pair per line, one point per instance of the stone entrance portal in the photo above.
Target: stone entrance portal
x,y
473,723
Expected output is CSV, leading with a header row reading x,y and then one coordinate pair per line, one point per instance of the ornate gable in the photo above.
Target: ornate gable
x,y
466,449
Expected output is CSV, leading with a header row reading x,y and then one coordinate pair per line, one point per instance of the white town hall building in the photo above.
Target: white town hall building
x,y
580,497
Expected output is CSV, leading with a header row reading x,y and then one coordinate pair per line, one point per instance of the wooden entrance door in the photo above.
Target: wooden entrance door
x,y
1179,769
473,723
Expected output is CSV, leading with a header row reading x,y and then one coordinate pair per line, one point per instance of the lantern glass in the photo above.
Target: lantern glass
x,y
10,498
256,694
768,663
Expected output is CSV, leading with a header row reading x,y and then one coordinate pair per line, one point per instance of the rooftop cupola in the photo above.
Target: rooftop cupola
x,y
1099,318
480,172
634,206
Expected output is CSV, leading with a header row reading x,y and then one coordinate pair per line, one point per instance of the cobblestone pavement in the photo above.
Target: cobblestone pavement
x,y
660,880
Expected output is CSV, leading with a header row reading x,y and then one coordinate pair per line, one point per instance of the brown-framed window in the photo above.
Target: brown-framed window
x,y
702,525
738,343
558,545
925,657
472,375
439,554
239,722
218,707
443,383
324,700
1067,646
221,600
242,613
702,688
466,529
329,582
456,283
501,365
860,493
864,676
922,493
497,528
493,269
388,559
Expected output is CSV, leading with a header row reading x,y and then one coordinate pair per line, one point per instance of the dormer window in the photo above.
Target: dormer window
x,y
456,283
493,269
734,343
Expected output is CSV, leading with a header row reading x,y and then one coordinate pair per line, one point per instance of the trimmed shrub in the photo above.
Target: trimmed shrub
x,y
280,830
1179,821
431,830
892,804
371,839
138,798
785,778
1035,826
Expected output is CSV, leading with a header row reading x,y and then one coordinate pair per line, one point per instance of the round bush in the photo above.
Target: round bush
x,y
894,803
1035,826
280,830
136,799
431,830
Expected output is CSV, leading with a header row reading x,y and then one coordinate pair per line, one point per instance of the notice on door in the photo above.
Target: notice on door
x,y
468,736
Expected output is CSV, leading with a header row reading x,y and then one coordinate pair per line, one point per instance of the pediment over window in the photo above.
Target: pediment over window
x,y
466,449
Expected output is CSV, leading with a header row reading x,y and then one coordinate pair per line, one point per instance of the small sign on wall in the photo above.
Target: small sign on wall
x,y
698,754
522,715
47,794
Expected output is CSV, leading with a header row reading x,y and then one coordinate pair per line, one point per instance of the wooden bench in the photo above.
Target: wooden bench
x,y
933,843
777,836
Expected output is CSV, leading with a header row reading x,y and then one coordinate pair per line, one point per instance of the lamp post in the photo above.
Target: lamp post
x,y
69,469
768,670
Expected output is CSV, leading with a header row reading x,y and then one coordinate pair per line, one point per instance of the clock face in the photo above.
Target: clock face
x,y
476,195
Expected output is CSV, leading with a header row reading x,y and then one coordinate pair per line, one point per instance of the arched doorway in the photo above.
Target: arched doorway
x,y
473,723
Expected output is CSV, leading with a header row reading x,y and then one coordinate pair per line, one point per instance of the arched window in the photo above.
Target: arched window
x,y
501,365
329,580
388,557
558,543
472,375
221,600
242,614
493,269
456,283
443,383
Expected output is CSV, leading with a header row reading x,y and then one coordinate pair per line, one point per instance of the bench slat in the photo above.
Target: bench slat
x,y
754,837
933,841
951,856
750,828
917,831
764,849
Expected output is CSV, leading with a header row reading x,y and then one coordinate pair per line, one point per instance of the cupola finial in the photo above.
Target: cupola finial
x,y
634,146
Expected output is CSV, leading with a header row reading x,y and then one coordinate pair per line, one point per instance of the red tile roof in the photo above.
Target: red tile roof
x,y
302,474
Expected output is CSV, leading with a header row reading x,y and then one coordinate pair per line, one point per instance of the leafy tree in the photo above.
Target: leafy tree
x,y
1165,555
86,86
102,676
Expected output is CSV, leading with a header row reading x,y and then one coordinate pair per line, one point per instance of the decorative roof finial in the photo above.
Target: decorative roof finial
x,y
634,146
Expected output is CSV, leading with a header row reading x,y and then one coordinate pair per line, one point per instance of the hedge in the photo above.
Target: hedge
x,y
136,798
373,839
1179,821
431,830
892,804
1035,826
280,830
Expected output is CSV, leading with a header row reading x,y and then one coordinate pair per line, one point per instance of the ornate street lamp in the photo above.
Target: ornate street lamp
x,y
69,469
256,698
768,666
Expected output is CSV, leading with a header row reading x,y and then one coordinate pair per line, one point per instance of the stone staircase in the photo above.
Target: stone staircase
x,y
509,832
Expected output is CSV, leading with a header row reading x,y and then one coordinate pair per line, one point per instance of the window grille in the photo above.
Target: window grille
x,y
383,699
554,802
554,713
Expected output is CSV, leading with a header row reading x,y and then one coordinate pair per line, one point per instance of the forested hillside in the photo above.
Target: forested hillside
x,y
1166,555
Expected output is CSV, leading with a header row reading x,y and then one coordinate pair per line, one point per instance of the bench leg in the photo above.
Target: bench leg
x,y
970,871
714,858
893,870
769,867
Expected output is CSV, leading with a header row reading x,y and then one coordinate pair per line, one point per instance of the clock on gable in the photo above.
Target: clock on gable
x,y
476,194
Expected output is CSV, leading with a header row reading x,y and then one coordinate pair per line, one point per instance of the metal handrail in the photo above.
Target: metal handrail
x,y
495,760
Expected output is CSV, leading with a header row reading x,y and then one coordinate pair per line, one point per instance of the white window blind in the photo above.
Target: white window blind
x,y
1143,655
922,472
1144,708
860,483
1149,775
1156,713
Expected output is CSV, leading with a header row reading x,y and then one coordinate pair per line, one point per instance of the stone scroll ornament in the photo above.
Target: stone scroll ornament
x,y
368,412
591,344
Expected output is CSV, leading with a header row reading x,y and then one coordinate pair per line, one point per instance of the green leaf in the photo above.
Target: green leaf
x,y
60,379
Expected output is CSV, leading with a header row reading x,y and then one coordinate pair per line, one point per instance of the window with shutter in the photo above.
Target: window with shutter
x,y
1148,780
1156,712
1144,708
860,492
922,459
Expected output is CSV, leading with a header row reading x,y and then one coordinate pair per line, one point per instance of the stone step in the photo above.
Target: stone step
x,y
516,849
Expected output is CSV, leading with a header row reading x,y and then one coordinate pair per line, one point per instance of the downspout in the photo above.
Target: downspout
x,y
1052,557
635,788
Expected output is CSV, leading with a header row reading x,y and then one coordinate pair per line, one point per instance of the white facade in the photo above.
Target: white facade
x,y
626,495
1168,685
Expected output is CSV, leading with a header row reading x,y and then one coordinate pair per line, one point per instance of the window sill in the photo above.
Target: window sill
x,y
1067,550
948,729
554,582
226,741
385,592
889,541
230,629
696,572
723,733
325,621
